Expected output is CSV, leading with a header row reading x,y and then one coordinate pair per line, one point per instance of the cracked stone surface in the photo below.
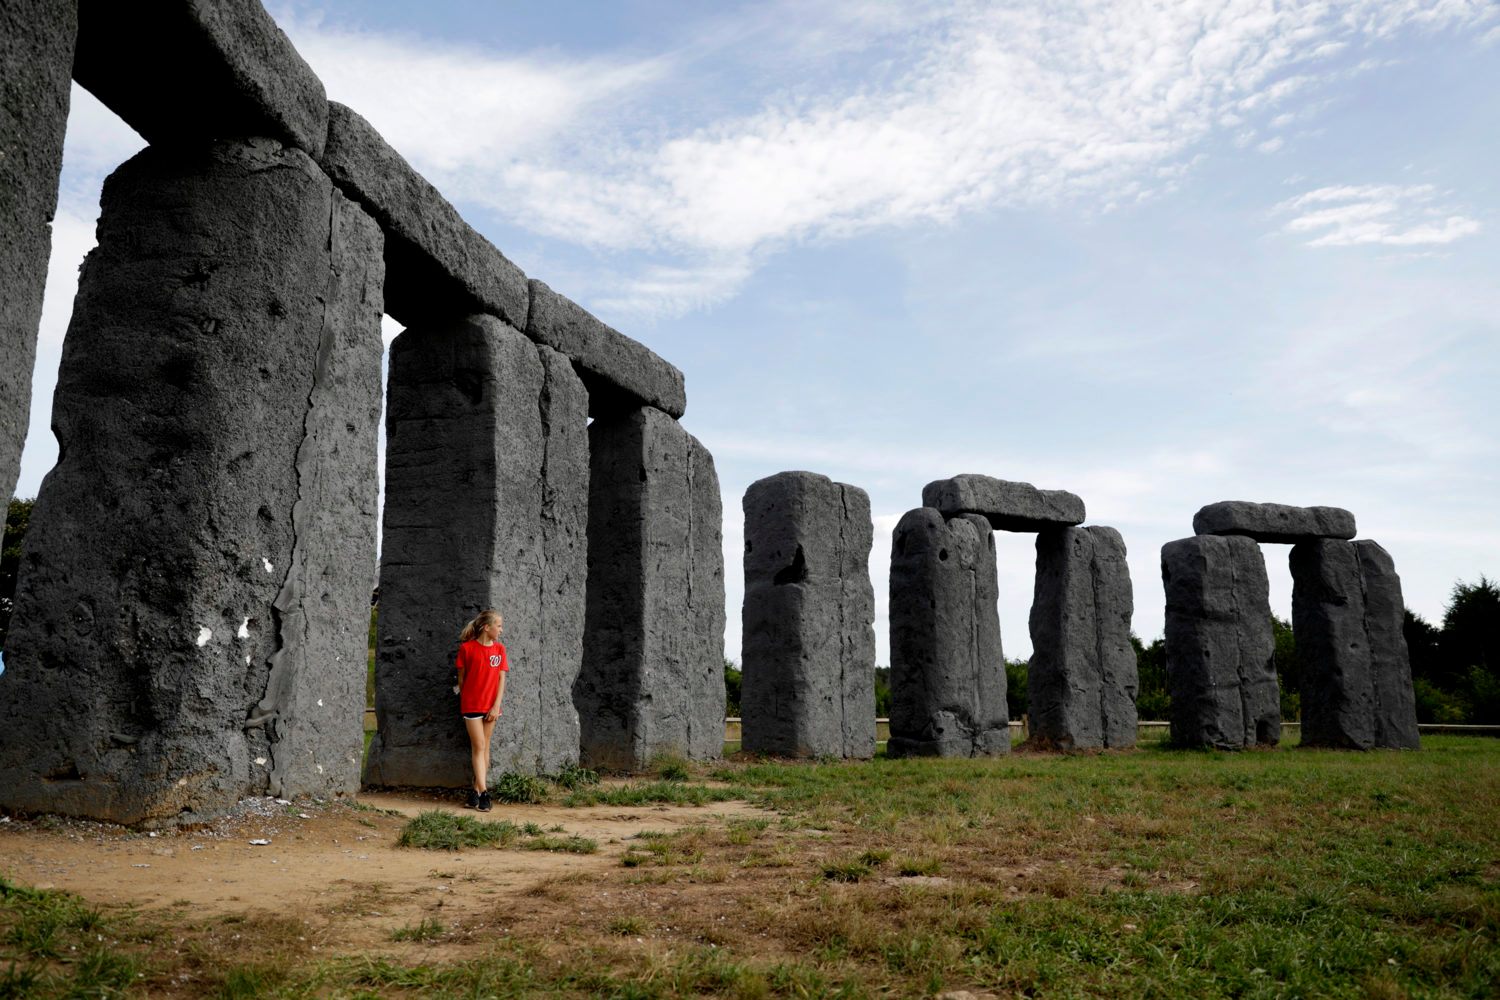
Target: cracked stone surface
x,y
187,71
620,373
653,676
1333,651
1221,673
948,695
436,263
1273,522
1009,506
36,51
486,507
1390,662
1081,682
809,641
189,627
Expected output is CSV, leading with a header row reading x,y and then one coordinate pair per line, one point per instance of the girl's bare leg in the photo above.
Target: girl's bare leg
x,y
479,750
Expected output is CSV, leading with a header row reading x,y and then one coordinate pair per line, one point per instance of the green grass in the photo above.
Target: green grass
x,y
1158,873
444,831
641,793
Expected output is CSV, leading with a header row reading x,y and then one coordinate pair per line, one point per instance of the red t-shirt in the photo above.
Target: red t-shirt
x,y
481,665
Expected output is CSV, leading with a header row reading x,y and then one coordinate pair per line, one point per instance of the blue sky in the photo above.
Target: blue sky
x,y
1158,254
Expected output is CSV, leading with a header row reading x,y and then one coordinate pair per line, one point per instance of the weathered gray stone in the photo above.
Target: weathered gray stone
x,y
652,683
436,263
1081,681
485,507
36,60
1390,664
620,373
1008,506
809,642
947,667
1221,671
187,71
190,622
1273,522
1333,652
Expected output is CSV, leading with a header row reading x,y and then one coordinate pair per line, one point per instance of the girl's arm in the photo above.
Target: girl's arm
x,y
499,697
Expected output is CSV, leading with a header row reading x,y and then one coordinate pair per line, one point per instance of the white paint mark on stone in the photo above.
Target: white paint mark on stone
x,y
261,761
181,782
244,632
204,634
320,702
267,564
320,768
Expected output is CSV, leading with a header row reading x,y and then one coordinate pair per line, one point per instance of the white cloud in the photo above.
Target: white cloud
x,y
1374,214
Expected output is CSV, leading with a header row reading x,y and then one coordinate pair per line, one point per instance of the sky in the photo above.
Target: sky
x,y
1159,254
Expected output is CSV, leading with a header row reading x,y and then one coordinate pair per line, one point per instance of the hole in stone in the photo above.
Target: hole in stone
x,y
943,555
178,372
643,473
794,573
68,773
748,547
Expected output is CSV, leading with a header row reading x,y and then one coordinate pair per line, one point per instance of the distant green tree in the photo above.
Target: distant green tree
x,y
1471,630
1015,688
882,692
1288,675
1422,640
17,520
732,682
1151,700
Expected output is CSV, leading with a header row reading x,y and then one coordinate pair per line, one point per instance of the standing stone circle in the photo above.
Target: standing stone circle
x,y
809,643
189,625
947,666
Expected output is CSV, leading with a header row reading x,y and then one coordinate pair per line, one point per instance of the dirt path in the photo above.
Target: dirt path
x,y
335,866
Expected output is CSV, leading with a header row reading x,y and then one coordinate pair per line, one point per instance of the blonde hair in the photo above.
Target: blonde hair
x,y
481,621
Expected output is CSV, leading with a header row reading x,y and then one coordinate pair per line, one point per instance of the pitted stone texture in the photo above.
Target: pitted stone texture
x,y
437,265
36,61
947,667
186,71
619,372
1273,522
652,683
1333,652
1390,663
809,641
485,507
1008,506
1221,671
190,623
1081,682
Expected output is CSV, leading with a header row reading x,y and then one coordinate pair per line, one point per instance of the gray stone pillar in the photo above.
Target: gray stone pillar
x,y
1333,652
809,641
36,63
486,495
1390,663
1081,682
653,669
190,626
947,667
1221,671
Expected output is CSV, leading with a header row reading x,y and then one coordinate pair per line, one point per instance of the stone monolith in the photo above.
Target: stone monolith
x,y
809,643
1273,522
1390,662
36,60
1333,651
1081,683
652,683
1221,671
190,626
486,495
947,667
1009,506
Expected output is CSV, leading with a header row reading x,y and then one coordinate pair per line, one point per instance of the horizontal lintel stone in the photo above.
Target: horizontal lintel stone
x,y
188,70
620,373
1273,522
1008,506
436,263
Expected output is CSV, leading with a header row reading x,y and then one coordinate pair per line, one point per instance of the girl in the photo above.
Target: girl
x,y
482,666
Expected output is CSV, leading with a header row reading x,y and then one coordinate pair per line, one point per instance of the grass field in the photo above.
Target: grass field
x,y
1156,873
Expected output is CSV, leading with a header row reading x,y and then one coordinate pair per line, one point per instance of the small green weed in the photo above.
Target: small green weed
x,y
565,845
443,831
427,930
575,776
518,788
627,926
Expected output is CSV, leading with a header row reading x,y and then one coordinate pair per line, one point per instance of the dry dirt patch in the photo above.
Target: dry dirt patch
x,y
335,866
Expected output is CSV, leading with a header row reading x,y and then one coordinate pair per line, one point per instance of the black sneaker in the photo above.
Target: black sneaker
x,y
484,802
472,802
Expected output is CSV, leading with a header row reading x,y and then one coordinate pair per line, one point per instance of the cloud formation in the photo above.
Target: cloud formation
x,y
1376,214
